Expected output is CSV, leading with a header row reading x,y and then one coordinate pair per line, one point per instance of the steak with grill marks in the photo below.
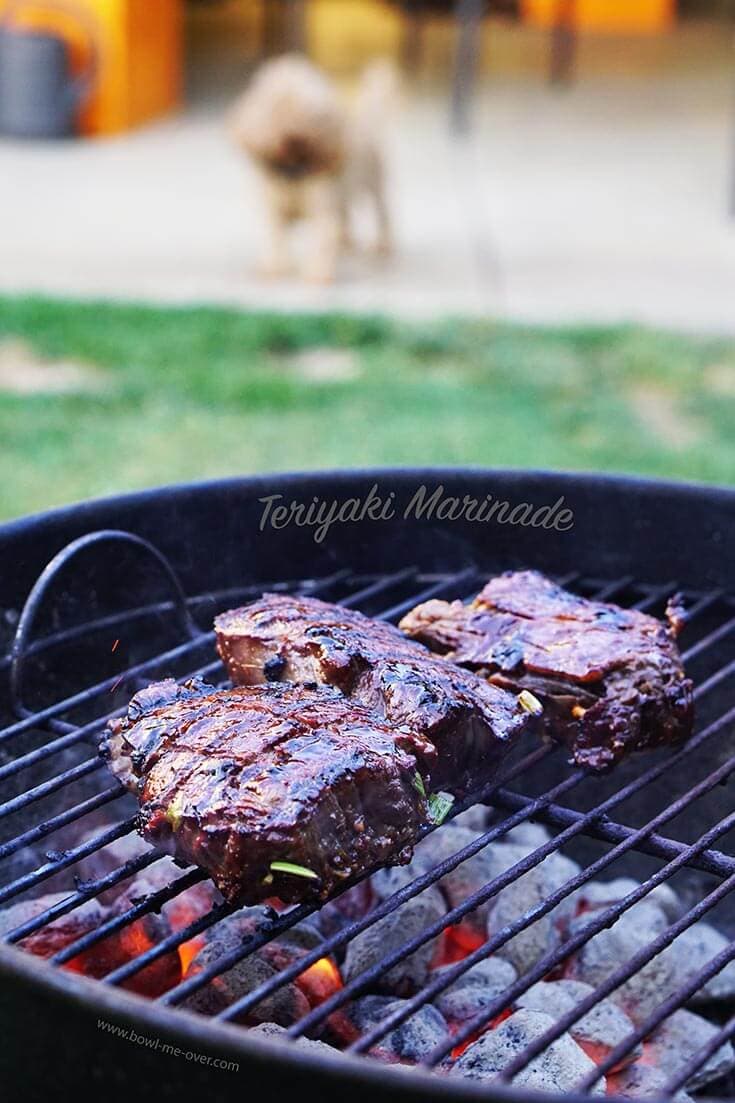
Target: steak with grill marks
x,y
465,725
234,780
611,680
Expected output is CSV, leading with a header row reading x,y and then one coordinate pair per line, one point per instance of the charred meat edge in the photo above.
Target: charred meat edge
x,y
234,780
611,679
463,726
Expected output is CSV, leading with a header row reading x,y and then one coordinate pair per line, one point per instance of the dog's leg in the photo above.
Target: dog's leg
x,y
376,188
275,260
324,211
346,240
384,239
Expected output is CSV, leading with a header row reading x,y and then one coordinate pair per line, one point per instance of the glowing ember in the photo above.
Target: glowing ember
x,y
135,940
162,973
320,981
588,1042
647,1057
456,943
594,1050
459,1050
189,906
111,952
189,950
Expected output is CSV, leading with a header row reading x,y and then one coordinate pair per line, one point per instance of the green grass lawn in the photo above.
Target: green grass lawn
x,y
175,394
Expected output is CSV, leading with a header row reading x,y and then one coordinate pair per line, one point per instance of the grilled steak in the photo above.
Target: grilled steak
x,y
611,679
235,780
462,725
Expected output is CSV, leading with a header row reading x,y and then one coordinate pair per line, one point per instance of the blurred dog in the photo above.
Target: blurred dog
x,y
315,157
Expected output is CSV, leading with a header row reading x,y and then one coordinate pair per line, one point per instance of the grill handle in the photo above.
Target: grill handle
x,y
35,599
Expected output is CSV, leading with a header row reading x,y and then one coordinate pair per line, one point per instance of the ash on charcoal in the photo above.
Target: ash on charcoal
x,y
416,1037
597,1032
180,911
678,1039
661,976
304,936
473,874
288,946
373,944
273,1030
152,879
454,887
600,894
109,858
612,947
642,1082
558,1069
528,835
520,897
695,948
411,1041
474,819
475,989
351,905
284,1006
349,1022
387,882
469,877
57,934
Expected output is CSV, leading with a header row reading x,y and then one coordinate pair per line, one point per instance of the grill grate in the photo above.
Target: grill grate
x,y
710,629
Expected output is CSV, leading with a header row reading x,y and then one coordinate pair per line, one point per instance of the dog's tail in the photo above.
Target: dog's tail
x,y
377,93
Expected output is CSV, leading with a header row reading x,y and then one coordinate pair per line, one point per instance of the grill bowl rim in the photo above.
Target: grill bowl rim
x,y
232,1041
344,476
64,522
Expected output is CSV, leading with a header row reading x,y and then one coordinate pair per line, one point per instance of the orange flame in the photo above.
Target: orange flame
x,y
320,981
189,950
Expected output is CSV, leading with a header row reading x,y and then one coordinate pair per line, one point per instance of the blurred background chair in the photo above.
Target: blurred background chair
x,y
470,16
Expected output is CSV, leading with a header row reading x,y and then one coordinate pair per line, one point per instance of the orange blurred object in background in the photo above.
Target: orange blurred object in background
x,y
621,16
141,43
139,46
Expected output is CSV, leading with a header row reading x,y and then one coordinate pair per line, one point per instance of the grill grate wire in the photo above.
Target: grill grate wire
x,y
358,591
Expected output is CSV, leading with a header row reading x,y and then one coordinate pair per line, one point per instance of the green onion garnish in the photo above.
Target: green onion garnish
x,y
418,782
530,703
296,871
174,814
439,806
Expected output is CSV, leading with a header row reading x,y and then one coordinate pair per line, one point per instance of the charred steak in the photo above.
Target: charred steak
x,y
462,725
237,780
611,680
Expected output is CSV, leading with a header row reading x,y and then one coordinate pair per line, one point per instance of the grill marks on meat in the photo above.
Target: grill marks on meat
x,y
233,780
461,725
611,679
317,755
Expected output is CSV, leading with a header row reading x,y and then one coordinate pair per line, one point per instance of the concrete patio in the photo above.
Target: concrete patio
x,y
606,201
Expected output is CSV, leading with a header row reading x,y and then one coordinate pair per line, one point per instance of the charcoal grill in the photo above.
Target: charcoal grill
x,y
150,570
